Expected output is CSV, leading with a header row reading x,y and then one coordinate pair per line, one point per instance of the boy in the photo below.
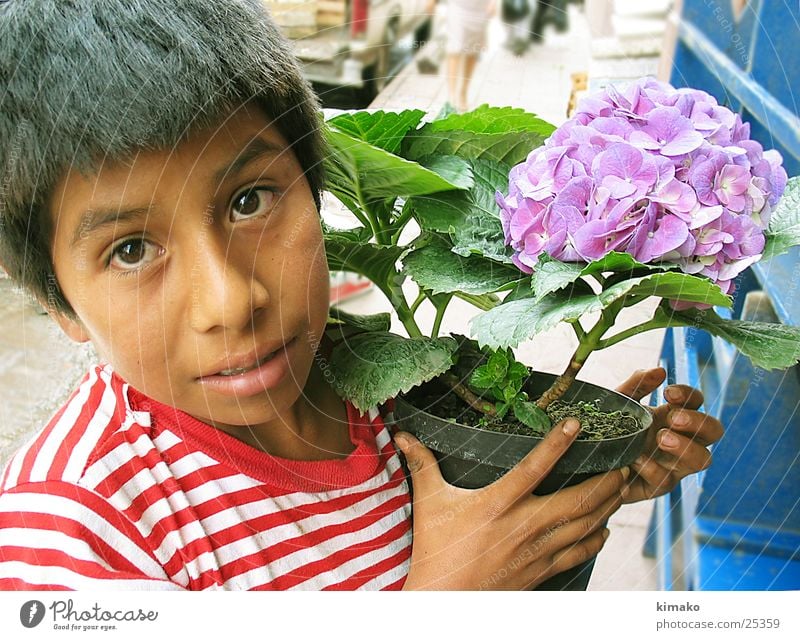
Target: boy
x,y
162,175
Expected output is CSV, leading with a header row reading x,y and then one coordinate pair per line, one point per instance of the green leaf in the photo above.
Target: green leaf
x,y
372,322
351,250
433,266
372,367
510,323
452,168
551,275
517,371
784,224
481,378
521,290
671,286
360,173
497,365
509,148
768,345
532,416
380,128
488,119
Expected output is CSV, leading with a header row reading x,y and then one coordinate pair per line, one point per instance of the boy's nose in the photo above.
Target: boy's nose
x,y
225,291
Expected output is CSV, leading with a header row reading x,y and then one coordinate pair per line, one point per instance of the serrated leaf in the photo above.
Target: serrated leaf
x,y
508,148
350,250
552,275
481,378
532,416
784,224
373,367
433,266
489,119
671,286
361,174
510,323
372,322
471,217
768,345
384,129
517,371
455,170
497,365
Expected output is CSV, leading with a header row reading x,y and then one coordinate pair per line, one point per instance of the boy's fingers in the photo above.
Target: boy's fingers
x,y
642,383
521,480
574,554
684,396
701,427
421,462
586,497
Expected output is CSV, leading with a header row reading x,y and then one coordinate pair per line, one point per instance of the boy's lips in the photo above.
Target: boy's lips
x,y
251,373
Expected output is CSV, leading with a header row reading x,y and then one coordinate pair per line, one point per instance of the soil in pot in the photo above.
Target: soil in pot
x,y
472,455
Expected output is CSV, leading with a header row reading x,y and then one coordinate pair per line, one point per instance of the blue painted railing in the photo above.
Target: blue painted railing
x,y
737,524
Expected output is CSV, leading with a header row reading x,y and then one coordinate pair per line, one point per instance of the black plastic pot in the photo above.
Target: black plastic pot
x,y
472,458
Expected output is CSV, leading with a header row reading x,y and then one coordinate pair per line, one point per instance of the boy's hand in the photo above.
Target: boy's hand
x,y
502,536
677,441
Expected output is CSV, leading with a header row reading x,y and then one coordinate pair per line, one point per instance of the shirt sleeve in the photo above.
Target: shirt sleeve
x,y
59,536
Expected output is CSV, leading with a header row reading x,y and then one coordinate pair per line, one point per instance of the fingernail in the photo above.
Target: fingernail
x,y
679,418
571,427
401,441
639,461
626,471
606,533
667,438
673,394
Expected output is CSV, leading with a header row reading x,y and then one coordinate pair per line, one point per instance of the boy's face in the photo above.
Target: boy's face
x,y
186,267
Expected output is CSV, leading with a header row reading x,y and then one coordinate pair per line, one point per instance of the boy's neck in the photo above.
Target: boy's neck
x,y
317,427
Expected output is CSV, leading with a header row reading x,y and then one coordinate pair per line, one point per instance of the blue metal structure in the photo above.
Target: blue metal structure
x,y
739,521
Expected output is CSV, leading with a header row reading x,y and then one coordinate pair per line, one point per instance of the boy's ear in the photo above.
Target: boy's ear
x,y
73,327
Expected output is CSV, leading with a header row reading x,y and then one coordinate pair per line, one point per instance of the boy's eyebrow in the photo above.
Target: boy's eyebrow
x,y
93,219
257,148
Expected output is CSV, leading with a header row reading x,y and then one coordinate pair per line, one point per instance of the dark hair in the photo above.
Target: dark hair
x,y
83,80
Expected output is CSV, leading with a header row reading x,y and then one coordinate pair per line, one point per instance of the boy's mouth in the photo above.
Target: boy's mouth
x,y
240,370
252,374
252,362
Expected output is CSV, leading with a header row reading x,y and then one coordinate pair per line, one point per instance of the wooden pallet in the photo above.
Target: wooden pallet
x,y
296,19
331,13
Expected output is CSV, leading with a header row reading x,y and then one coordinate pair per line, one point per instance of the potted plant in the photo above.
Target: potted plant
x,y
651,192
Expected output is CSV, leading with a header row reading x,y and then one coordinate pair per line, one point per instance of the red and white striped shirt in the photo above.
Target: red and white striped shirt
x,y
119,491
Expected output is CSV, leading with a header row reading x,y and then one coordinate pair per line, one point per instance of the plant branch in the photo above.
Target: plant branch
x,y
484,302
420,297
653,323
467,396
441,307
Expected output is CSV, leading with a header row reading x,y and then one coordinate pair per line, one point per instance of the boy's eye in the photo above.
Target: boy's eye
x,y
132,254
253,202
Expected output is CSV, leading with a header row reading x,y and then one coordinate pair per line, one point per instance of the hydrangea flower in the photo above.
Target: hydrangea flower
x,y
667,175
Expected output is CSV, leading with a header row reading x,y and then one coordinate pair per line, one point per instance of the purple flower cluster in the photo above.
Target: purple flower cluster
x,y
664,174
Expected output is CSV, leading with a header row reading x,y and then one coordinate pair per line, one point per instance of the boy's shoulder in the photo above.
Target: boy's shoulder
x,y
75,435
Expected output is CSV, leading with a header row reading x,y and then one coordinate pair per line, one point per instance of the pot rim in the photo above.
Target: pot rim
x,y
647,411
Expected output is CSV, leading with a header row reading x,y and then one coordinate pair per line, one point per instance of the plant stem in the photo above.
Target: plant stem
x,y
437,321
420,297
586,345
394,293
653,323
467,396
484,302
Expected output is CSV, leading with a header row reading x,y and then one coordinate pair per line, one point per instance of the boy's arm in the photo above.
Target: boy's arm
x,y
55,535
